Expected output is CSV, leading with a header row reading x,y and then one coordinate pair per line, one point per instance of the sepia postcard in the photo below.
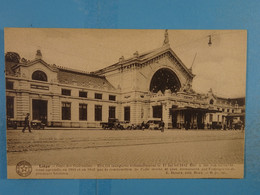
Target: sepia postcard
x,y
110,103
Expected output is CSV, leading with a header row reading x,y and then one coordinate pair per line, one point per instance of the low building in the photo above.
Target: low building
x,y
155,84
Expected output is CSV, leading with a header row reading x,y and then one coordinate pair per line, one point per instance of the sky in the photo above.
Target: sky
x,y
221,66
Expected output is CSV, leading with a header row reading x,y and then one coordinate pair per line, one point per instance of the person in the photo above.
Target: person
x,y
27,123
143,126
162,126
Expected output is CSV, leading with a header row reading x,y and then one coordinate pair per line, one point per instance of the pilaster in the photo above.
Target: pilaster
x,y
56,108
22,105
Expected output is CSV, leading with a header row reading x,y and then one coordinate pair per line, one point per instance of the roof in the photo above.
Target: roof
x,y
208,110
236,114
144,57
233,101
27,63
64,75
71,77
240,101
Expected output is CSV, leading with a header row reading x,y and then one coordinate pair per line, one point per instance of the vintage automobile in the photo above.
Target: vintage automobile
x,y
112,123
237,125
125,125
37,124
216,125
11,123
134,127
154,123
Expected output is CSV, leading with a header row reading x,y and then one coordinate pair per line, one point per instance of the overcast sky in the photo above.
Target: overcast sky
x,y
221,66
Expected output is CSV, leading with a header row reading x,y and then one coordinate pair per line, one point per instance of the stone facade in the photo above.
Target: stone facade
x,y
154,84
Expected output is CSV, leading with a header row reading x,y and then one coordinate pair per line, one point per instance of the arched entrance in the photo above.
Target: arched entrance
x,y
164,79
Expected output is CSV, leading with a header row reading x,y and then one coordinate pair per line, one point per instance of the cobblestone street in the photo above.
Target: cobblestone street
x,y
135,147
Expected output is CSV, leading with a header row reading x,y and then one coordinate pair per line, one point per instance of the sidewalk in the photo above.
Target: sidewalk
x,y
93,128
54,128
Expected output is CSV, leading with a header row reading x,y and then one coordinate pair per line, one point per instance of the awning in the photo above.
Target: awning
x,y
236,115
207,110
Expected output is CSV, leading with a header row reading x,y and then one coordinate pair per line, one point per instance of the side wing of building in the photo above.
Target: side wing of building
x,y
57,96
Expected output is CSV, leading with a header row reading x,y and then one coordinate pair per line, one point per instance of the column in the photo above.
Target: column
x,y
166,117
150,111
206,120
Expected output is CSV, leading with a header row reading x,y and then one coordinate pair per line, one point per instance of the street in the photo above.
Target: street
x,y
127,147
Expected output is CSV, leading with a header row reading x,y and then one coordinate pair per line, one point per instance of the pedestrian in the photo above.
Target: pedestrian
x,y
27,123
143,126
162,126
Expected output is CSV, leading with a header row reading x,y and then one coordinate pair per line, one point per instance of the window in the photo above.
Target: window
x,y
66,92
112,112
164,79
211,101
112,97
98,96
83,94
127,113
39,76
98,113
83,112
10,107
157,111
9,85
66,110
227,110
210,117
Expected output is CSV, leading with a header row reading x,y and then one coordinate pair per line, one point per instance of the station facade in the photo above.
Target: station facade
x,y
155,84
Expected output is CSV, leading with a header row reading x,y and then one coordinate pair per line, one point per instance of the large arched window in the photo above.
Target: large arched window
x,y
164,79
39,76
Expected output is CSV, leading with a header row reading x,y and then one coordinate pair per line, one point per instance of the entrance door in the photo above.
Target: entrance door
x,y
39,108
174,114
174,119
200,120
187,119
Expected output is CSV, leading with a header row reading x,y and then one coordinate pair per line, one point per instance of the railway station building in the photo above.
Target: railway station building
x,y
154,84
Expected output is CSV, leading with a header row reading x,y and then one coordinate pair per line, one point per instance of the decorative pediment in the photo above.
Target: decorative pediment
x,y
26,63
144,59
